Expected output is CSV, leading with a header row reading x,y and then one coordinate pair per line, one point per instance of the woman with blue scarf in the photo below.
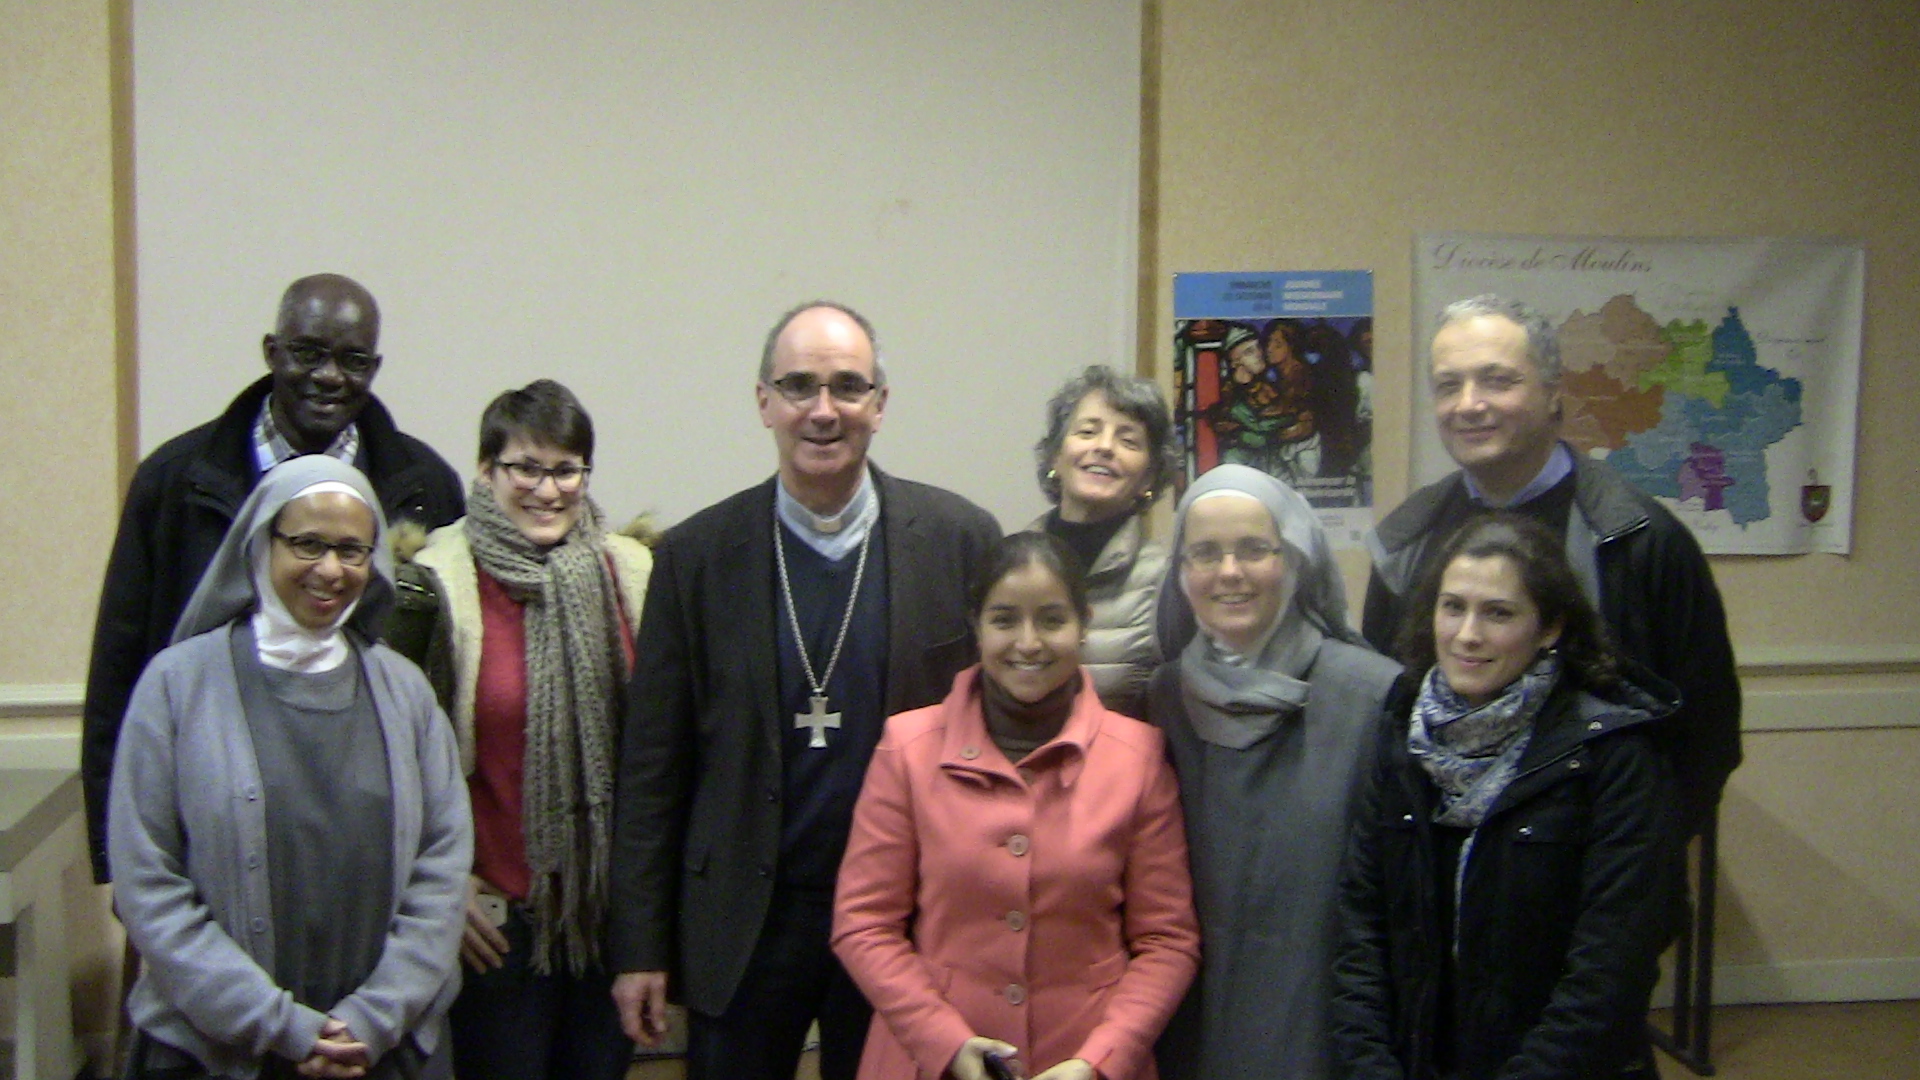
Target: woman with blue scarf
x,y
1510,879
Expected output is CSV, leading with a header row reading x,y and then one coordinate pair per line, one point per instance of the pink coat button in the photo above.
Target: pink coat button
x,y
1017,844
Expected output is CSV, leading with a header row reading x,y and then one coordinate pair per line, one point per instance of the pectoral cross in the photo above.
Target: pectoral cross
x,y
819,719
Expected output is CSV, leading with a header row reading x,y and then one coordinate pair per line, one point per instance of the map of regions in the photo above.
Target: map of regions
x,y
1684,410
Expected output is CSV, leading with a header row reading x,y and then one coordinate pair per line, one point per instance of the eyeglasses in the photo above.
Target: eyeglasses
x,y
309,548
803,387
310,357
527,474
1208,555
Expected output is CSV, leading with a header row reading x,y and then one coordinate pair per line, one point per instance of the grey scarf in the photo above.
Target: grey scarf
x,y
1237,704
574,677
1473,753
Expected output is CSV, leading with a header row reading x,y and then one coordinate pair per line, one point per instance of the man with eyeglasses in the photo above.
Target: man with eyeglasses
x,y
316,399
782,626
1495,370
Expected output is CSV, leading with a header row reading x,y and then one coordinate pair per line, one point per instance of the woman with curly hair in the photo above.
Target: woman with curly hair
x,y
1107,454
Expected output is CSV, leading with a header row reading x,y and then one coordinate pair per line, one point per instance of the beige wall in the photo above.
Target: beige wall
x,y
1290,135
56,332
59,428
1300,135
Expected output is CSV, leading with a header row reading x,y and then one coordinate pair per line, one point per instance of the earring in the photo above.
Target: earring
x,y
1053,474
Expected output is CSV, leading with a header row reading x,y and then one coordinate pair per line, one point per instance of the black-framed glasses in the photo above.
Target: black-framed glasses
x,y
310,357
1208,555
802,387
527,475
310,548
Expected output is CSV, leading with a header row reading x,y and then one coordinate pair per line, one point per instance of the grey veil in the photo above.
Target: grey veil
x,y
226,590
1232,704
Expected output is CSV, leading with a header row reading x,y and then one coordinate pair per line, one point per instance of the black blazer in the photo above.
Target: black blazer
x,y
698,796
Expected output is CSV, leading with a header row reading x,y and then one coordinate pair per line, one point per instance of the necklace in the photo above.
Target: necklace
x,y
817,718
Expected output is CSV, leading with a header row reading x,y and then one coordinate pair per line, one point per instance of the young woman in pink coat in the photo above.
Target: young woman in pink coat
x,y
1016,883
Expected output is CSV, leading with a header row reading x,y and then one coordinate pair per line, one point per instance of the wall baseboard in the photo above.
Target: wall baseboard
x,y
41,699
1811,982
1828,660
1830,710
40,749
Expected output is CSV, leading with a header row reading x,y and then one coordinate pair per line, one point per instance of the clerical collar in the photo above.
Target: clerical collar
x,y
1559,464
833,536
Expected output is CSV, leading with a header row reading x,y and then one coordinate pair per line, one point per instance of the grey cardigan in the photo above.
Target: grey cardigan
x,y
186,835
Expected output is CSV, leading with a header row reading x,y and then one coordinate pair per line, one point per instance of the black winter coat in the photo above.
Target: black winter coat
x,y
179,507
1562,915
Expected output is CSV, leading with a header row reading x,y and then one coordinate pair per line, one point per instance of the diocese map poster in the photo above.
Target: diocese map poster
x,y
1720,376
1275,371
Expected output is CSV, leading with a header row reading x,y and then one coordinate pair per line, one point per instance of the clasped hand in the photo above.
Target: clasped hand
x,y
336,1054
968,1064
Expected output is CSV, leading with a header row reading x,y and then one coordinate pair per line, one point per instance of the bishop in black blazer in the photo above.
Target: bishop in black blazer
x,y
706,753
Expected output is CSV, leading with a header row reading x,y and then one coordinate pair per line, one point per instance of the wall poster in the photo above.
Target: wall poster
x,y
1720,376
1274,370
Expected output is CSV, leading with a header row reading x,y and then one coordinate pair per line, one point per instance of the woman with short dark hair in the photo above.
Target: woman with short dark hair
x,y
1510,881
522,614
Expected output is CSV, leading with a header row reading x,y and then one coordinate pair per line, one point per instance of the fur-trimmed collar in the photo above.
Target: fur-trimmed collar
x,y
446,552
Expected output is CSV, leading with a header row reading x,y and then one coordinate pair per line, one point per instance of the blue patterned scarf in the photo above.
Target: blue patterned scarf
x,y
1472,753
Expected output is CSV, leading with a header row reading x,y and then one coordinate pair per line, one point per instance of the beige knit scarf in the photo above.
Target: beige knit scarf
x,y
576,669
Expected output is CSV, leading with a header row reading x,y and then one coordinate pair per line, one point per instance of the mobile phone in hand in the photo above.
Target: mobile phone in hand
x,y
494,908
997,1067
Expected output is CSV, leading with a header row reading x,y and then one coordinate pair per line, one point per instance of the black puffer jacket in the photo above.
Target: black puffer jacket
x,y
1563,908
178,508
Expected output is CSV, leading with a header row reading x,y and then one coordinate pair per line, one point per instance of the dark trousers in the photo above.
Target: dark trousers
x,y
792,980
513,1023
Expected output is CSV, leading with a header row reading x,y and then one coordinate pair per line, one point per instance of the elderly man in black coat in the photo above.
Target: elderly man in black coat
x,y
317,398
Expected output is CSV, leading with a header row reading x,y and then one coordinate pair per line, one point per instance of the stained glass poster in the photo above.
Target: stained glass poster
x,y
1275,371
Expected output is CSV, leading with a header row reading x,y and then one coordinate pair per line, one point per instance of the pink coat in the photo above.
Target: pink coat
x,y
1048,906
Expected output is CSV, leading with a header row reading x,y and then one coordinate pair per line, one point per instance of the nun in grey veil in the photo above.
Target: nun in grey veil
x,y
1271,706
288,826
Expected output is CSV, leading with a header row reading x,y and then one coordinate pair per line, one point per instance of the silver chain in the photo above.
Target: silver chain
x,y
819,686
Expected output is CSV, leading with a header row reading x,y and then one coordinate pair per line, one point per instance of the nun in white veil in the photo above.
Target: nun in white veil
x,y
1271,706
288,827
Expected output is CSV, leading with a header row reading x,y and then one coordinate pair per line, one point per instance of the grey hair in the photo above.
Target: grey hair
x,y
1137,399
773,336
1543,342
